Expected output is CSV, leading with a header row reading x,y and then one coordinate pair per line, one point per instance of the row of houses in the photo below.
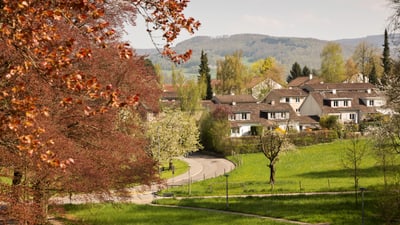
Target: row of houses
x,y
299,106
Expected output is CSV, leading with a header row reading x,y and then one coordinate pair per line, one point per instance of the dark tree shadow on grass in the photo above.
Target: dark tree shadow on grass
x,y
374,171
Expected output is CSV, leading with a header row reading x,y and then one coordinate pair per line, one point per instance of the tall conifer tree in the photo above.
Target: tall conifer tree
x,y
386,61
204,75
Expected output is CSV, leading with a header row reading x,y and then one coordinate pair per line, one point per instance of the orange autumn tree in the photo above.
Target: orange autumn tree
x,y
65,76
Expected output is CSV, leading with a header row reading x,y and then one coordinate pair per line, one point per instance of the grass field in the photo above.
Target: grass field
x,y
309,169
332,209
128,214
316,168
180,168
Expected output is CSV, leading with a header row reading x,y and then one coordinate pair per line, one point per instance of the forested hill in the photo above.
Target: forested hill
x,y
287,50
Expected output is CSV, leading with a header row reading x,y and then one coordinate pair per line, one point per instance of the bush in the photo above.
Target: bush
x,y
313,137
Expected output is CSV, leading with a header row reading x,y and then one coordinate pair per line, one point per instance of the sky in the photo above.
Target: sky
x,y
322,19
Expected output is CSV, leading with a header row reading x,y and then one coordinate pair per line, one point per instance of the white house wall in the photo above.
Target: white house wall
x,y
244,130
294,102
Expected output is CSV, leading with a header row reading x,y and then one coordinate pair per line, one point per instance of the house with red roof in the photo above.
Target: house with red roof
x,y
350,102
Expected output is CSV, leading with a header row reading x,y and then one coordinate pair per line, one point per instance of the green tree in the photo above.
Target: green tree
x,y
214,129
189,91
329,122
262,66
386,60
231,72
205,76
174,133
372,76
306,71
332,64
294,72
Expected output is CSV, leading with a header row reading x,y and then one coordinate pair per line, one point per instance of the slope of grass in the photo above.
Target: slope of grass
x,y
307,169
331,209
127,214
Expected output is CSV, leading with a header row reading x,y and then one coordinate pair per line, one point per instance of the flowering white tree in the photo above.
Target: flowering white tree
x,y
173,134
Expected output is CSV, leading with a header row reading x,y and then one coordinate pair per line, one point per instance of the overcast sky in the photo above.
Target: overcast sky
x,y
321,19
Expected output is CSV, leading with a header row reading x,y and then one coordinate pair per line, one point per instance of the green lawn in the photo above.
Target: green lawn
x,y
332,209
126,214
180,168
308,169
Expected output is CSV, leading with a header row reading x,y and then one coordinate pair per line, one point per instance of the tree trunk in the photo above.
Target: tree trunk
x,y
271,175
17,178
41,201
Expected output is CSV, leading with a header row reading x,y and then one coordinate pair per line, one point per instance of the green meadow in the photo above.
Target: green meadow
x,y
317,168
129,214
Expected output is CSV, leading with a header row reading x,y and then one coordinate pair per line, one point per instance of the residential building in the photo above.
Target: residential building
x,y
350,102
294,97
259,87
304,80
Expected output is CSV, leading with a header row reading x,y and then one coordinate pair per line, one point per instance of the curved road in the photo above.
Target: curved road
x,y
201,167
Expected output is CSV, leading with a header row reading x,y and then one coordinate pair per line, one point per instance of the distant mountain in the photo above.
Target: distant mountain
x,y
286,50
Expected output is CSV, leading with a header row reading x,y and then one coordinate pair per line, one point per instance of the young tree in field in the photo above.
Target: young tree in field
x,y
205,76
173,134
332,65
65,77
272,144
295,72
386,60
353,156
231,72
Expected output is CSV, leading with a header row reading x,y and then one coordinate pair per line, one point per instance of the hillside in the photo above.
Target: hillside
x,y
287,50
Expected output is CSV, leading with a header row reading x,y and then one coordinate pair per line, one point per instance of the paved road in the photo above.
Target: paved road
x,y
201,167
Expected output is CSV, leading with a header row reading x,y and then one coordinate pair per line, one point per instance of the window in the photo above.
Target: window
x,y
238,116
335,103
371,102
297,99
235,130
272,115
283,115
287,99
245,116
352,116
231,117
346,103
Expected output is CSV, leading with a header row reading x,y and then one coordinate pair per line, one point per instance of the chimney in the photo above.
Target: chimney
x,y
334,91
310,76
272,102
233,103
369,91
